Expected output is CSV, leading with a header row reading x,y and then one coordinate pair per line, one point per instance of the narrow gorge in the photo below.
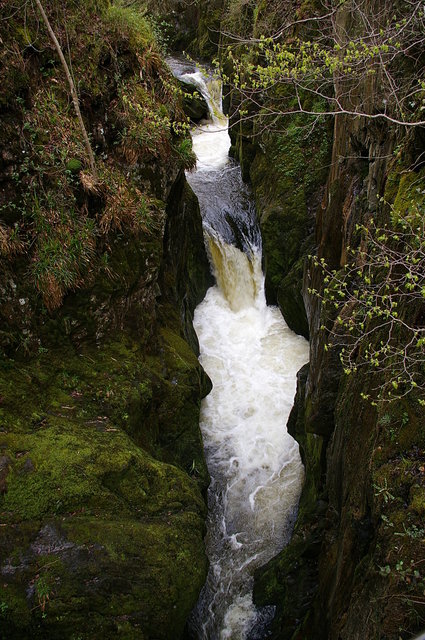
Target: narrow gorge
x,y
251,358
176,461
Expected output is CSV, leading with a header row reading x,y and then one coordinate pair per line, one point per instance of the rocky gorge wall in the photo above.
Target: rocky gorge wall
x,y
102,471
349,571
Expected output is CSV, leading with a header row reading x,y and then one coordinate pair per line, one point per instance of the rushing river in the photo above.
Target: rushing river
x,y
252,358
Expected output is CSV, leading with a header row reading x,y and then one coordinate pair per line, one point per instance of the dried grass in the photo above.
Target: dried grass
x,y
10,243
89,183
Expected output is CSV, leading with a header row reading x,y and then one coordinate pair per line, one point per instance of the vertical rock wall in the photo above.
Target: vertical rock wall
x,y
349,572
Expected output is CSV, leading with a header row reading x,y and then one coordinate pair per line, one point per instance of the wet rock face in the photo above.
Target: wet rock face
x,y
102,471
190,26
186,273
343,575
195,106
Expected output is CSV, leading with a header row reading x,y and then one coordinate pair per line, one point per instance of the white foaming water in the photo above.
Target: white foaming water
x,y
210,140
252,358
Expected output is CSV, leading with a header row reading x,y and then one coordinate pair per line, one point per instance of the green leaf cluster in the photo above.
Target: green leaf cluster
x,y
376,301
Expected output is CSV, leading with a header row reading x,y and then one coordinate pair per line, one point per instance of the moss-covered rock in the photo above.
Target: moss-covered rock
x,y
102,471
93,522
195,106
285,195
82,577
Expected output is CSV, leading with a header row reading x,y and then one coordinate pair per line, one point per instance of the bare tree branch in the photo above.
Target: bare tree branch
x,y
71,87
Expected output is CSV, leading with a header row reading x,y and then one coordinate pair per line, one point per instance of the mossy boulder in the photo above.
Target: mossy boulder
x,y
93,522
194,104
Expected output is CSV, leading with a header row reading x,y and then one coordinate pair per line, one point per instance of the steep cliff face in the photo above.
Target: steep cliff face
x,y
193,27
373,529
353,569
286,198
102,472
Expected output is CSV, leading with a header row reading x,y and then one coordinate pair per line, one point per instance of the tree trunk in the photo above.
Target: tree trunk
x,y
72,89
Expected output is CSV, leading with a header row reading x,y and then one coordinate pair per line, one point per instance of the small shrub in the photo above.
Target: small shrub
x,y
186,153
377,299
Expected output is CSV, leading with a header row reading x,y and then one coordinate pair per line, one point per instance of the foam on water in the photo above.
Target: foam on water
x,y
252,359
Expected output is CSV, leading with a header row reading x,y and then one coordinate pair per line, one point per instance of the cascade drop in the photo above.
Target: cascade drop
x,y
252,359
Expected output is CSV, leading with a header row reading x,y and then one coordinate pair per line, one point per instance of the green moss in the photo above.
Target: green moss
x,y
103,578
392,186
129,23
181,441
74,166
408,193
402,190
121,532
208,29
417,499
283,191
74,453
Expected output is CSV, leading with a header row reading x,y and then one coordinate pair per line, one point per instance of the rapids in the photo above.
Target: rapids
x,y
252,359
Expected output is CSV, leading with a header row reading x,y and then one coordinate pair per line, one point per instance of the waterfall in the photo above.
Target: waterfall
x,y
252,358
